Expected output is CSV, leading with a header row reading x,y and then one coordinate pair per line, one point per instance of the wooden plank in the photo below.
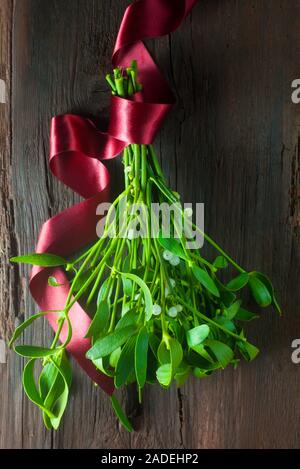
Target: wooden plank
x,y
10,282
6,225
231,142
237,150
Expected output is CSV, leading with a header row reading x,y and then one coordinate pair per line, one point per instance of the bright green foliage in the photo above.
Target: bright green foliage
x,y
160,312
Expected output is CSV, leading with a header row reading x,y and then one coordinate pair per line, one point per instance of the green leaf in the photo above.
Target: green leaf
x,y
47,377
60,405
237,283
19,330
140,359
111,342
125,308
129,318
120,414
197,335
100,321
170,244
47,421
57,398
220,262
200,350
176,354
127,286
205,280
248,350
53,282
64,367
126,264
30,388
259,292
227,323
199,373
245,315
268,284
232,310
125,363
102,290
170,356
103,364
182,374
222,352
114,357
227,297
164,374
145,290
201,360
43,260
33,351
170,353
131,378
163,354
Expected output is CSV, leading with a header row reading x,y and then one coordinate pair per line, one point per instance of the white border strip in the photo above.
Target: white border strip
x,y
2,92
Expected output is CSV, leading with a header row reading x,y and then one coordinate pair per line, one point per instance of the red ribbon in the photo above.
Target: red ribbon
x,y
76,148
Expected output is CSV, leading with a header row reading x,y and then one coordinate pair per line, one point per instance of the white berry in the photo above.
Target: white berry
x,y
172,312
156,309
167,255
174,261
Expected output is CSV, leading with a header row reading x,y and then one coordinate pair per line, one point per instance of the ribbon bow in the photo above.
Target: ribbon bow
x,y
76,148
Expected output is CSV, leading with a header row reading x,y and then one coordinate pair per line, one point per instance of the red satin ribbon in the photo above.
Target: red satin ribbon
x,y
76,148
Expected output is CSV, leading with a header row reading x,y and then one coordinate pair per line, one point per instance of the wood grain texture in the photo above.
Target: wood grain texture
x,y
10,416
6,214
231,142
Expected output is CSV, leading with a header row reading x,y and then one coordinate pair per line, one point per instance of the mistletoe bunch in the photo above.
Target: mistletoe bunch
x,y
160,310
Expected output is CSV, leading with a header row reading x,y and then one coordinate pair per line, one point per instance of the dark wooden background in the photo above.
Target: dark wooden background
x,y
232,142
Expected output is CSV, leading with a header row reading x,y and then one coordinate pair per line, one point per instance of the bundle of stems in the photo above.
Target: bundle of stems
x,y
160,310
